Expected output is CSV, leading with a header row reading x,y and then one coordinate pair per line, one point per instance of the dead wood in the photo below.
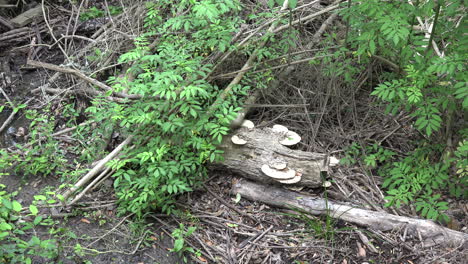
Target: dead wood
x,y
263,147
82,76
430,232
27,17
6,23
98,168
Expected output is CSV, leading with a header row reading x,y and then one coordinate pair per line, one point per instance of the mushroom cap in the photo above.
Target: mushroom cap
x,y
279,165
279,129
248,124
236,140
332,161
278,174
296,179
326,184
291,138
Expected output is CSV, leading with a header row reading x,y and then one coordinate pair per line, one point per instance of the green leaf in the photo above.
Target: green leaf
x,y
37,220
3,234
372,46
178,245
5,226
16,206
238,198
271,3
7,203
40,198
292,4
33,209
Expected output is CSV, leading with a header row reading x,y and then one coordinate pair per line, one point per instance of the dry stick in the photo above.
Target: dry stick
x,y
97,168
271,68
97,36
61,132
12,115
240,117
7,97
89,186
255,238
51,31
6,23
82,76
246,66
307,18
274,196
254,32
253,243
317,36
110,231
230,206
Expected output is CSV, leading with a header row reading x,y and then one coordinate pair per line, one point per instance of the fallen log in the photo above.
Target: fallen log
x,y
263,153
431,233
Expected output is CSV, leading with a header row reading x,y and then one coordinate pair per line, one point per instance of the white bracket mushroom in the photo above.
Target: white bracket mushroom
x,y
332,161
291,138
236,140
284,174
296,179
248,124
279,129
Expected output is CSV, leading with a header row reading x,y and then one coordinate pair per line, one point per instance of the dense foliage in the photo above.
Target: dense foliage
x,y
428,80
179,121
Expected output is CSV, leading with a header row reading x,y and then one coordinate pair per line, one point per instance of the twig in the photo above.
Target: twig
x,y
243,70
11,116
306,18
82,76
254,238
221,200
8,98
6,23
110,231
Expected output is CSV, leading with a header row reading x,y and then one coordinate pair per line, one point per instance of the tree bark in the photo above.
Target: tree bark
x,y
430,232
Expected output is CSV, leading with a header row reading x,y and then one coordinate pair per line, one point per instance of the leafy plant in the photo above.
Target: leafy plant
x,y
18,244
372,155
42,155
176,124
180,235
426,79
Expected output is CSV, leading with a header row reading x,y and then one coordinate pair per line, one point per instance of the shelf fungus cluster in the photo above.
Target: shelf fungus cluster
x,y
281,173
289,138
236,139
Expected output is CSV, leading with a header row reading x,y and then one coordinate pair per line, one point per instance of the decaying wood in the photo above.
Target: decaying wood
x,y
6,23
21,34
27,17
430,232
262,147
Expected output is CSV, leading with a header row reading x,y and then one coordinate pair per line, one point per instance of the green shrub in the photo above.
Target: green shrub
x,y
18,244
430,87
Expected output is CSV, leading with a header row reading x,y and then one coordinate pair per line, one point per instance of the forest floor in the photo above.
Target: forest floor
x,y
268,235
